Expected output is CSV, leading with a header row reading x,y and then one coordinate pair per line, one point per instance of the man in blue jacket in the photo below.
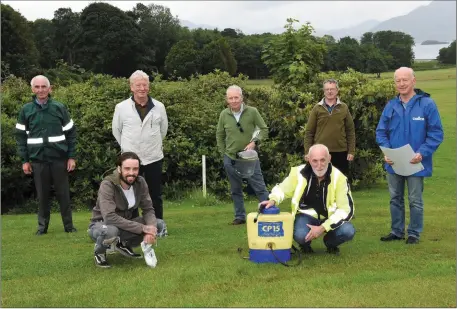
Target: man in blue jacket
x,y
410,118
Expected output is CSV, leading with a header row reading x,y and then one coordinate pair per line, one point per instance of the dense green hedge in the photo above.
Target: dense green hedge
x,y
193,108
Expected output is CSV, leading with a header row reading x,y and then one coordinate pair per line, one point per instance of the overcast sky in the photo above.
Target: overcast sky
x,y
249,16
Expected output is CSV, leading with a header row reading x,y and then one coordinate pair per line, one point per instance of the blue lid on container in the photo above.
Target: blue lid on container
x,y
271,211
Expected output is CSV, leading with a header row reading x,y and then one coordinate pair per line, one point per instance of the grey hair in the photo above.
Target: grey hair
x,y
411,71
138,74
48,84
316,146
236,88
331,81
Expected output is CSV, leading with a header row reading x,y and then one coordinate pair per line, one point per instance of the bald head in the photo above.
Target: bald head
x,y
405,83
318,149
319,158
404,71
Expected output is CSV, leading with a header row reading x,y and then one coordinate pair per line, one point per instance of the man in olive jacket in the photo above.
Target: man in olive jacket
x,y
115,217
240,127
330,123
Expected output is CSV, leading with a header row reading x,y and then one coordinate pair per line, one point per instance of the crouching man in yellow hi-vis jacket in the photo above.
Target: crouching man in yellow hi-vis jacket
x,y
321,201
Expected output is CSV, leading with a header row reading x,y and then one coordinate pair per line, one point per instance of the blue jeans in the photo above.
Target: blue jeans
x,y
236,186
333,238
397,204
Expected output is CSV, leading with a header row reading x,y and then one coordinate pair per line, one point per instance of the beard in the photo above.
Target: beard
x,y
321,173
128,179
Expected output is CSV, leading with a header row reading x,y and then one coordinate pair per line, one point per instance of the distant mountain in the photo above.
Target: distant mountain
x,y
435,21
191,25
355,32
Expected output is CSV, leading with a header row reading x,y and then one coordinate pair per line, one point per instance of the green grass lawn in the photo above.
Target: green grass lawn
x,y
199,265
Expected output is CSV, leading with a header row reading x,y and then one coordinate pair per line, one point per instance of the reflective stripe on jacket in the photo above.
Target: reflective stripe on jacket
x,y
338,200
45,132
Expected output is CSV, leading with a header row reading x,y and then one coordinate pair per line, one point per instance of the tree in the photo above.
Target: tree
x,y
20,54
44,37
374,60
160,30
227,57
397,44
294,56
328,39
229,32
247,51
110,41
331,55
182,60
217,55
348,54
201,37
367,38
67,34
447,55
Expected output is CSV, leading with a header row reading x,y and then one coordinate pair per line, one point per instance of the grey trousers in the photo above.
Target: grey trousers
x,y
45,174
98,232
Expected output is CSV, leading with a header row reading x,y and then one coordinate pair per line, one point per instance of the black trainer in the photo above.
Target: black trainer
x,y
238,222
126,251
412,240
71,230
391,237
333,250
306,249
40,232
101,261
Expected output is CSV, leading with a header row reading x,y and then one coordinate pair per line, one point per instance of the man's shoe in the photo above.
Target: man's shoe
x,y
238,222
306,249
126,251
149,254
71,230
333,250
100,260
412,240
391,237
40,232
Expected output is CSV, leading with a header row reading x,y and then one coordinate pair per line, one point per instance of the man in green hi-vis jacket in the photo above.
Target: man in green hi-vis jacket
x,y
46,139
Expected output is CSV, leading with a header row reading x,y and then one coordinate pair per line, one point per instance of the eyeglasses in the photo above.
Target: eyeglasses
x,y
239,127
330,89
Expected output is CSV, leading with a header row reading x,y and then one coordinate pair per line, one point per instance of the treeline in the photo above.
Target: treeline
x,y
447,55
104,39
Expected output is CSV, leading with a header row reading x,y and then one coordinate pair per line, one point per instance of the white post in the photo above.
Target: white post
x,y
204,175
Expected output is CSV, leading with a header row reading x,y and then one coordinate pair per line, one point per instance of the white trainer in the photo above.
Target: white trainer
x,y
149,254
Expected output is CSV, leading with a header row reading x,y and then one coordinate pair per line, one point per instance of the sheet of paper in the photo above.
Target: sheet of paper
x,y
401,157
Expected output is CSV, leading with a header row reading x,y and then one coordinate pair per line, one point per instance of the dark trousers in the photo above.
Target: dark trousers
x,y
45,174
152,173
340,161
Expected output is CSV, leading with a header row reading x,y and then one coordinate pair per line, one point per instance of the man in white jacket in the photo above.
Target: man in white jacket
x,y
139,125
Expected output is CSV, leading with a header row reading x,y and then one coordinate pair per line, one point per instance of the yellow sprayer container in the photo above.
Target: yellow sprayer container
x,y
270,235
